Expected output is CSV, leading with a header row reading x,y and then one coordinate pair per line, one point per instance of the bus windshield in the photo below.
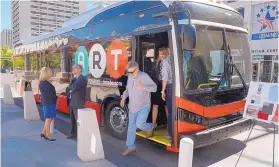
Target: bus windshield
x,y
204,66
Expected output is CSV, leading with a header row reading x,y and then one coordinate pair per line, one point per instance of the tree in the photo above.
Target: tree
x,y
6,55
19,62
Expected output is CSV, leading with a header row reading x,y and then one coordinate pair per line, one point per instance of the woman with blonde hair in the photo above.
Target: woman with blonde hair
x,y
48,100
156,75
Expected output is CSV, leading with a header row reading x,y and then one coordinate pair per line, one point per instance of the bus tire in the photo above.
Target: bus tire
x,y
116,120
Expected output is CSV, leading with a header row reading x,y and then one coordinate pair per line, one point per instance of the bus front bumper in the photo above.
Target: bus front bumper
x,y
216,134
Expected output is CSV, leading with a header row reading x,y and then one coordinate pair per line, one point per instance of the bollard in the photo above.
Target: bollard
x,y
89,143
52,127
186,152
8,96
20,87
30,108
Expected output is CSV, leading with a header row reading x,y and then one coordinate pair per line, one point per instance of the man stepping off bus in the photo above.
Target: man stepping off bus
x,y
138,89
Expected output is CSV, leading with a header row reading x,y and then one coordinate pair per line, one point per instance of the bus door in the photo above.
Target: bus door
x,y
147,47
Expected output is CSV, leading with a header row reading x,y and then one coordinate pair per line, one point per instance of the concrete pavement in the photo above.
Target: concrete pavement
x,y
257,152
22,146
21,139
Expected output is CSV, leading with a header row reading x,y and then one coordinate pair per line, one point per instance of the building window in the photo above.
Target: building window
x,y
33,23
51,9
33,6
34,12
43,2
43,13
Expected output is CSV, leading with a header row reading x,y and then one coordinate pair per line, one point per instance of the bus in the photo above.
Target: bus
x,y
210,54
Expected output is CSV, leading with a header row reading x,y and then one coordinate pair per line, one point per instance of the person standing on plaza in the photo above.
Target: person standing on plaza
x,y
48,100
77,91
68,94
167,87
138,89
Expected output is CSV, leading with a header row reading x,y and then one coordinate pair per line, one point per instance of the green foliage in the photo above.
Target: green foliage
x,y
6,55
34,62
54,61
19,63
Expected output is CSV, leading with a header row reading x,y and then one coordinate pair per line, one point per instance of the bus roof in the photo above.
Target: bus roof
x,y
83,19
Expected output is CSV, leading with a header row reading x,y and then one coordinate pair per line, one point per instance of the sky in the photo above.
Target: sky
x,y
5,6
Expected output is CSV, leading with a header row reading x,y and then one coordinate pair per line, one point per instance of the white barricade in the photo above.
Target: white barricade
x,y
20,86
8,96
186,152
30,108
89,143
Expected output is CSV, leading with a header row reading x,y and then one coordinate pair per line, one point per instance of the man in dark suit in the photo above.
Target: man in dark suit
x,y
77,90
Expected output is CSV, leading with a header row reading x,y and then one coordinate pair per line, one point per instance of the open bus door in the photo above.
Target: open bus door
x,y
147,52
146,55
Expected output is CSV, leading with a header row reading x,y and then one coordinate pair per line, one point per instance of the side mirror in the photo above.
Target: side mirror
x,y
188,36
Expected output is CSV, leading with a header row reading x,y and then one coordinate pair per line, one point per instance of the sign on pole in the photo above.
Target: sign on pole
x,y
262,102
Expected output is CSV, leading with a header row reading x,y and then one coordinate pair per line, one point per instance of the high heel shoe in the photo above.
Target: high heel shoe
x,y
48,139
43,136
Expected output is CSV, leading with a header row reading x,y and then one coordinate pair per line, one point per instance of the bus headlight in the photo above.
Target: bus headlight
x,y
186,116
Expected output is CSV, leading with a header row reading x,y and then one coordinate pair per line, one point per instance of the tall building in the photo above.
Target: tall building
x,y
35,17
6,38
261,20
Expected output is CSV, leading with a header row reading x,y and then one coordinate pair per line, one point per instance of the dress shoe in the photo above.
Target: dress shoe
x,y
43,136
128,152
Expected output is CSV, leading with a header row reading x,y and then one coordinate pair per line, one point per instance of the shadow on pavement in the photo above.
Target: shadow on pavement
x,y
212,154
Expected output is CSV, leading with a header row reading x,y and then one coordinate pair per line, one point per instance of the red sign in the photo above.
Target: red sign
x,y
117,59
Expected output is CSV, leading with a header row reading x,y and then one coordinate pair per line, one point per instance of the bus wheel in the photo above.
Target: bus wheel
x,y
116,119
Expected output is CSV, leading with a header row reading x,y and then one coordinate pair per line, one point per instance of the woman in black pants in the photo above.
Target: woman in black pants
x,y
156,98
48,100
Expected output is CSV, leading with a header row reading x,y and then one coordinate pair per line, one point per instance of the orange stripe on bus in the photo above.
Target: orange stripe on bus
x,y
210,112
225,109
189,106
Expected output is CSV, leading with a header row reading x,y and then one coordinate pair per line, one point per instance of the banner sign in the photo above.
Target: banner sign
x,y
265,18
111,61
262,102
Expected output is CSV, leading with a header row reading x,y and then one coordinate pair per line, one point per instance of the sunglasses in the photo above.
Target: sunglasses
x,y
131,72
76,68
